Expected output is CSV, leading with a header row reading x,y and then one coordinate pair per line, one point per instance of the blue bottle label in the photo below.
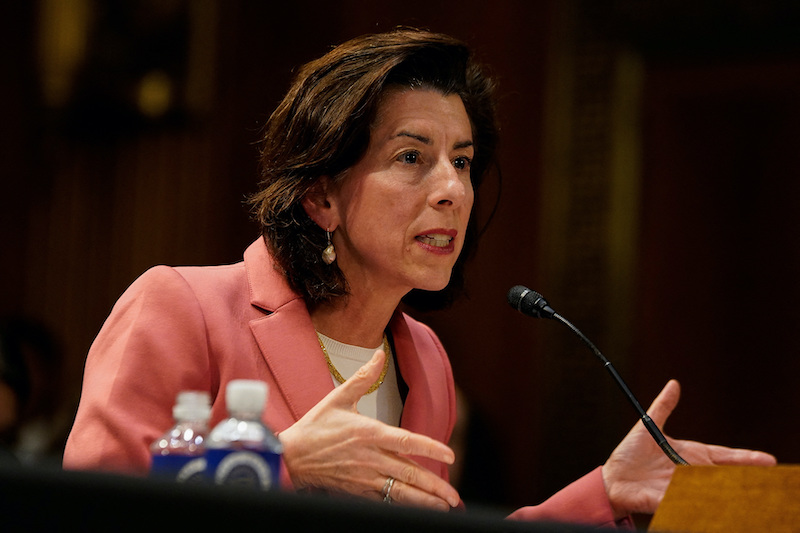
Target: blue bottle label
x,y
244,468
181,468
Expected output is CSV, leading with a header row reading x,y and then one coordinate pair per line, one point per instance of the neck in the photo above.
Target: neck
x,y
360,321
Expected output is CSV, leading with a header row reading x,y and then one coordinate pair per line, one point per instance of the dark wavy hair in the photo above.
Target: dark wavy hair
x,y
322,128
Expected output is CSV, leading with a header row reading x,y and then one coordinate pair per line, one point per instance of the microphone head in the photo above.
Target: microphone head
x,y
529,302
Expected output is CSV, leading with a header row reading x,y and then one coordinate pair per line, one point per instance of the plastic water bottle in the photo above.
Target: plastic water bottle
x,y
179,454
241,450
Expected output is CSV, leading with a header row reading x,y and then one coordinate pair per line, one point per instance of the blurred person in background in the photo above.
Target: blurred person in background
x,y
33,427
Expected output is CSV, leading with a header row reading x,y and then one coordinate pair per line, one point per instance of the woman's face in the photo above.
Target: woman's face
x,y
403,208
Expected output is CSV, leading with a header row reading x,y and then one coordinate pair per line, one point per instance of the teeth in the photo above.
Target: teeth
x,y
435,240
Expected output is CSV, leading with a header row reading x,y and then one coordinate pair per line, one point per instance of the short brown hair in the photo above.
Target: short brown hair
x,y
321,128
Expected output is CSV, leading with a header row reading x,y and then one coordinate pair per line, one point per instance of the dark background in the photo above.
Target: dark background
x,y
650,154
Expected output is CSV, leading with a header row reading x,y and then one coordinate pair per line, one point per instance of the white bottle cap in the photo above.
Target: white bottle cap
x,y
246,396
192,405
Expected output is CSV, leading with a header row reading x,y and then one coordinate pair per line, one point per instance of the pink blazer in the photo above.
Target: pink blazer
x,y
197,328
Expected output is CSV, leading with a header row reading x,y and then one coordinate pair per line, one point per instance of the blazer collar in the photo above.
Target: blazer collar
x,y
268,287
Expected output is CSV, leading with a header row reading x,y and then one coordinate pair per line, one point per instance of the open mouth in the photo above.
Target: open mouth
x,y
435,239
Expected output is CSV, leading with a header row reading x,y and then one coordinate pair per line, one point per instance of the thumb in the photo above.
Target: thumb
x,y
359,383
665,403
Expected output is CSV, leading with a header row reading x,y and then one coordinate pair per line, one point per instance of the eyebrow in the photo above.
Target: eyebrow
x,y
426,140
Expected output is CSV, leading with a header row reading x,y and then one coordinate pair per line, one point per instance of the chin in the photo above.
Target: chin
x,y
434,284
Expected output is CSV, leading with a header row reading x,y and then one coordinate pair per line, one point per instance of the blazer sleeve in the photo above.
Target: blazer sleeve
x,y
152,344
583,502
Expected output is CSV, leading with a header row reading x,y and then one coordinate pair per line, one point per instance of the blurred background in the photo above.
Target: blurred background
x,y
650,159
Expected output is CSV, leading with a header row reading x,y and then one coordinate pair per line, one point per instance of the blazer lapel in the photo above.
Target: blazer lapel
x,y
286,335
424,411
290,348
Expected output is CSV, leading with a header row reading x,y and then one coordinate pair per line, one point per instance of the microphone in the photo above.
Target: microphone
x,y
531,303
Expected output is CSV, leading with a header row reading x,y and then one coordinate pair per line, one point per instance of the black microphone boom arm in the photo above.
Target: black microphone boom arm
x,y
533,304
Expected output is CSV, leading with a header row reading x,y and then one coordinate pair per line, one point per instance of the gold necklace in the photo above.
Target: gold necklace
x,y
338,377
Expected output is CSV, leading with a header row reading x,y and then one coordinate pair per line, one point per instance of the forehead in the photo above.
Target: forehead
x,y
429,109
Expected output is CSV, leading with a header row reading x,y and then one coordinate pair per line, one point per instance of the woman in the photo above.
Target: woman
x,y
371,166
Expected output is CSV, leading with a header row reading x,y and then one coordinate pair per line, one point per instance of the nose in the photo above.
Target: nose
x,y
450,187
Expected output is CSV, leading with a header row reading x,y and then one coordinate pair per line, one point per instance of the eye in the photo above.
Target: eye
x,y
409,158
462,162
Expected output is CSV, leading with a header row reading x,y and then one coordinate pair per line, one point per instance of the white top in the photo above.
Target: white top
x,y
383,404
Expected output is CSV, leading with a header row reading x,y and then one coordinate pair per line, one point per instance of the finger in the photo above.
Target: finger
x,y
348,394
732,456
723,455
423,481
404,442
407,494
665,403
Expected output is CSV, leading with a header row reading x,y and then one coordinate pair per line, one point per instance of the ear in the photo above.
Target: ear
x,y
318,207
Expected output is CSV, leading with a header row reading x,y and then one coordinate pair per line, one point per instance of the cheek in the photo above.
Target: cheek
x,y
388,215
381,221
395,207
373,197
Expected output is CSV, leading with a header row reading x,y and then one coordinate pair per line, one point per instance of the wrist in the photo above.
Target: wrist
x,y
619,512
288,477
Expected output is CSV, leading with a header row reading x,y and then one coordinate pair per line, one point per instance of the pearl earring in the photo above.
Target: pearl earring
x,y
329,254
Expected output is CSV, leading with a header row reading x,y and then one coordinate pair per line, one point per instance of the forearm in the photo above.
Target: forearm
x,y
583,502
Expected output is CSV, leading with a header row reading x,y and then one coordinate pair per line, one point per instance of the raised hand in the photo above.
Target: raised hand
x,y
333,447
637,473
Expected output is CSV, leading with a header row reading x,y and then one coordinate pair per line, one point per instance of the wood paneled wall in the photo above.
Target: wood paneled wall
x,y
82,216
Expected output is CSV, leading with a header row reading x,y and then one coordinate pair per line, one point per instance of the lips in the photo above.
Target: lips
x,y
438,240
435,239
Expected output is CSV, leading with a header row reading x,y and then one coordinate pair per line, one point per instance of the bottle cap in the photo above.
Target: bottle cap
x,y
192,405
246,395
